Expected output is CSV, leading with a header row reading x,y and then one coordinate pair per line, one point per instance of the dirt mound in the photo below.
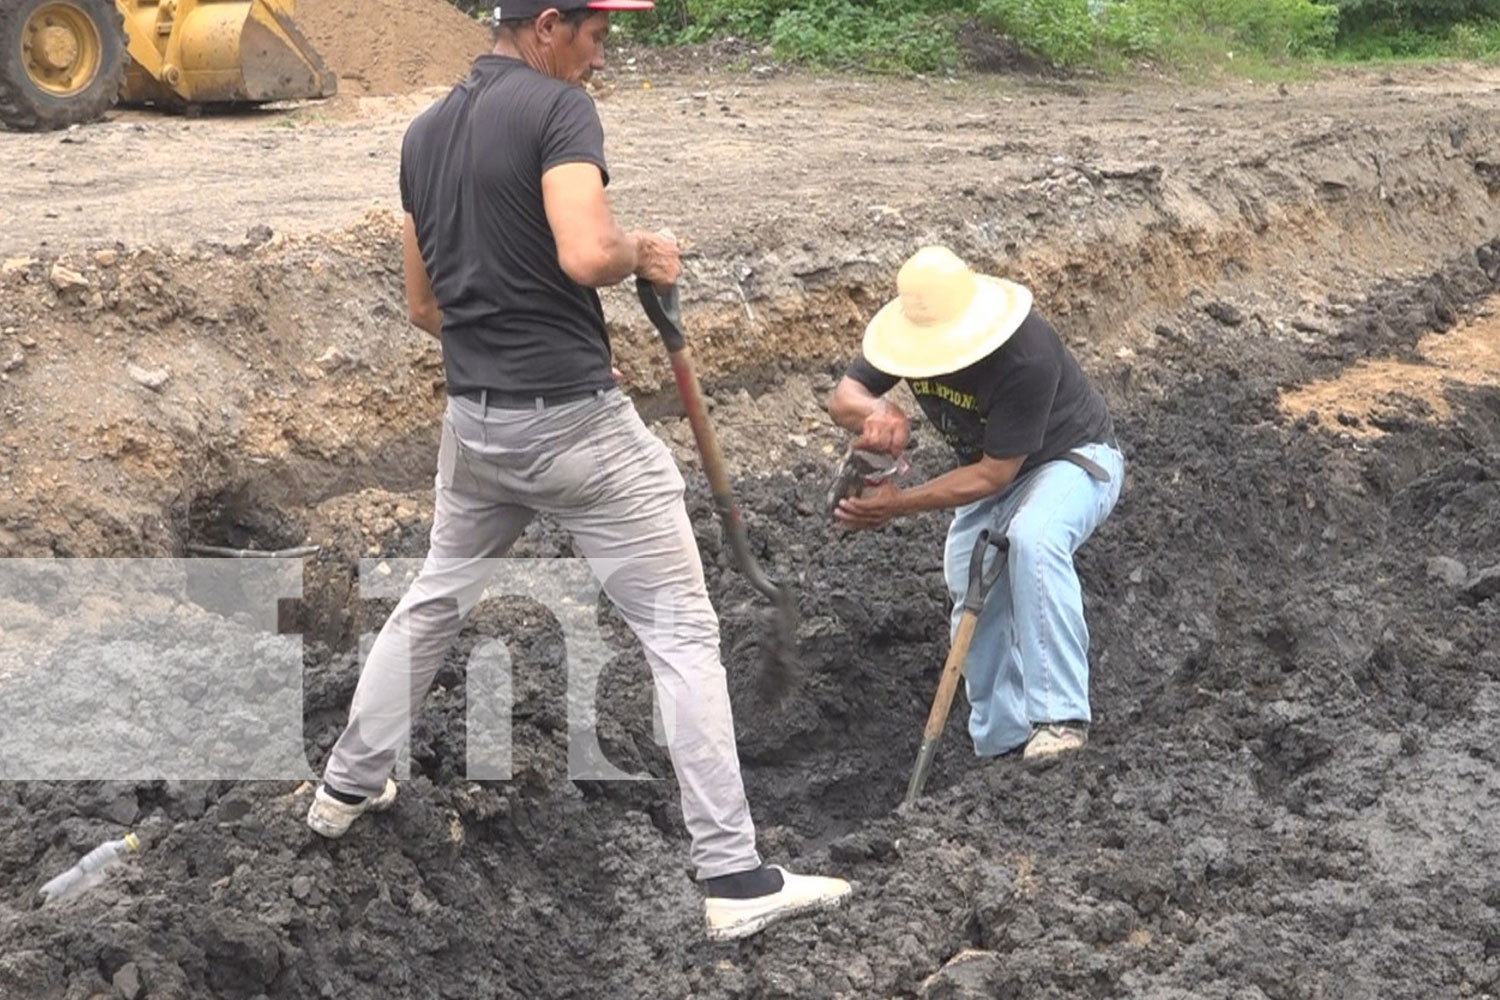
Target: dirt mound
x,y
991,52
392,46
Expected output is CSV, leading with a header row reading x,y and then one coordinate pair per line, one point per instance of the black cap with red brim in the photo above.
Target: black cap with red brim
x,y
522,9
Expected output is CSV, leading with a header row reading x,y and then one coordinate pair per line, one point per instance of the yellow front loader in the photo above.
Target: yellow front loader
x,y
64,62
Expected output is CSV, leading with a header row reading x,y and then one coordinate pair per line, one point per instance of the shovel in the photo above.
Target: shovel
x,y
779,646
980,584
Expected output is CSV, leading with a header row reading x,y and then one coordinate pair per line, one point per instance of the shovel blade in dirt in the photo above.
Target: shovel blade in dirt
x,y
779,640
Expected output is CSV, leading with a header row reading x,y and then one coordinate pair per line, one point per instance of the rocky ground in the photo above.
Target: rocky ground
x,y
1289,792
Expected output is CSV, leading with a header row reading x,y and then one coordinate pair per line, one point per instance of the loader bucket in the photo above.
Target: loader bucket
x,y
278,63
225,51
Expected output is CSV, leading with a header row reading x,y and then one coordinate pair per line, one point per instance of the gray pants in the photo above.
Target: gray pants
x,y
595,468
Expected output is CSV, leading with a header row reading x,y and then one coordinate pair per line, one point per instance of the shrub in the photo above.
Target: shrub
x,y
1131,29
1276,28
1061,31
919,35
1475,40
1420,16
1073,32
881,36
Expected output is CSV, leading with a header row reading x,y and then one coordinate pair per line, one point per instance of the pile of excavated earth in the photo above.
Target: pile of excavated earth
x,y
380,47
1290,792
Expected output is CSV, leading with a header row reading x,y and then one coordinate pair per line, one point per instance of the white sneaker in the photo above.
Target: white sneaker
x,y
730,919
1053,739
331,818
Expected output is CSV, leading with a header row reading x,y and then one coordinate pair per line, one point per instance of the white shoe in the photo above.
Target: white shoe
x,y
1051,740
730,919
331,818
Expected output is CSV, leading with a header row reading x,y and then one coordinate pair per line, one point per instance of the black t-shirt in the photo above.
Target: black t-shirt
x,y
471,177
1028,398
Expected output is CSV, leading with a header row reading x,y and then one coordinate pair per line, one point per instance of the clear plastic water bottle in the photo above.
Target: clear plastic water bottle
x,y
89,871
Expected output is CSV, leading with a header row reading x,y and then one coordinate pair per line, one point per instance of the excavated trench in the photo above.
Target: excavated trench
x,y
1290,788
1289,793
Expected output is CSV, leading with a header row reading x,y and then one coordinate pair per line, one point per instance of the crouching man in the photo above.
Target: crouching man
x,y
1039,462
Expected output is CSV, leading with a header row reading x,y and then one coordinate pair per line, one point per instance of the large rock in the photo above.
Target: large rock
x,y
128,982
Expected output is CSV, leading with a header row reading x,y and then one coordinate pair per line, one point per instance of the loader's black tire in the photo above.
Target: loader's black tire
x,y
25,103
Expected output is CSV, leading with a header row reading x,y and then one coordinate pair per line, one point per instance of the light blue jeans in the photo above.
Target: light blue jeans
x,y
1029,660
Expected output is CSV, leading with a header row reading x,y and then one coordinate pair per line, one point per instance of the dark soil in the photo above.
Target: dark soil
x,y
991,52
1288,794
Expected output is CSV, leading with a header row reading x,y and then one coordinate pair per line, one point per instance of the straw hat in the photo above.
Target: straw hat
x,y
945,317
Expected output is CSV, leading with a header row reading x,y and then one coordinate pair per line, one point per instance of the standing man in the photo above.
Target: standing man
x,y
508,233
1038,461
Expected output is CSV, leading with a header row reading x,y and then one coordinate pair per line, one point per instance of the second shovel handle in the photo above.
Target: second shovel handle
x,y
982,581
953,670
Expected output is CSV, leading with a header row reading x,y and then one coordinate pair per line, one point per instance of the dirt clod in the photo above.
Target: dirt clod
x,y
153,379
1484,585
128,982
1447,570
65,279
1225,312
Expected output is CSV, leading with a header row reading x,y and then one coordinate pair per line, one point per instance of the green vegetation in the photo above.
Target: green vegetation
x,y
1247,36
894,35
1475,39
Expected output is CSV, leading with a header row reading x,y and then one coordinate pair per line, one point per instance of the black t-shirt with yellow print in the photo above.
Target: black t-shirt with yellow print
x,y
1028,398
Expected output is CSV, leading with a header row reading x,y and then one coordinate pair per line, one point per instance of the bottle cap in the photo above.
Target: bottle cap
x,y
132,841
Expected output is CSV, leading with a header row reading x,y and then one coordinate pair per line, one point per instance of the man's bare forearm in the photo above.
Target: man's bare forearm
x,y
429,322
853,404
955,488
616,261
